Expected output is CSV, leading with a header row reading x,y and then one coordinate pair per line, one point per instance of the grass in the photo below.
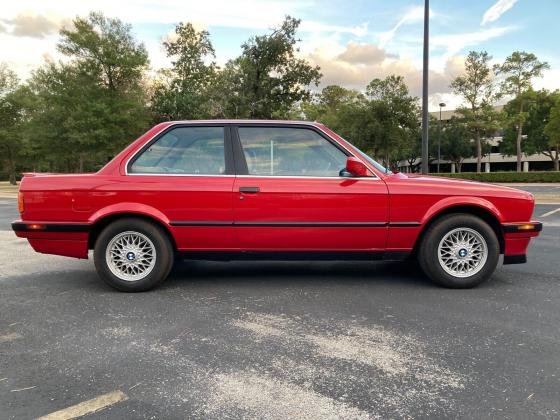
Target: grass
x,y
519,177
7,189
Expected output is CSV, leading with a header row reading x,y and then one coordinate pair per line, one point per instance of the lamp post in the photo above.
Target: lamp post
x,y
425,165
441,105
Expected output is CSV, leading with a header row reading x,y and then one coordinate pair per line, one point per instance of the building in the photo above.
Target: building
x,y
491,162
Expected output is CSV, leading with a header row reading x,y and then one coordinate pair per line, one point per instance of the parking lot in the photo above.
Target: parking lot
x,y
277,340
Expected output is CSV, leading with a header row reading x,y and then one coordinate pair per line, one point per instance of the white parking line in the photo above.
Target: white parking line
x,y
9,337
87,407
551,212
23,389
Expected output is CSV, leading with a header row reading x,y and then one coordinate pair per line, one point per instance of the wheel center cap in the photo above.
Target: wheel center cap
x,y
130,256
462,253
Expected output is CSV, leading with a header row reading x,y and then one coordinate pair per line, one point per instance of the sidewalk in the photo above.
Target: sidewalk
x,y
7,190
545,192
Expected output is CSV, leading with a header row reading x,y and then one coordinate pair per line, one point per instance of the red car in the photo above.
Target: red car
x,y
268,190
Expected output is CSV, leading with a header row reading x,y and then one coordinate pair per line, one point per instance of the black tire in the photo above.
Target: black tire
x,y
429,249
154,274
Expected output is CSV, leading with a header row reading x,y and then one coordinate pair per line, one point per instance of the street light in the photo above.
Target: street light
x,y
425,122
441,105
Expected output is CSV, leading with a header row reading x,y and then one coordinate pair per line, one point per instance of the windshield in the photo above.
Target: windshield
x,y
377,165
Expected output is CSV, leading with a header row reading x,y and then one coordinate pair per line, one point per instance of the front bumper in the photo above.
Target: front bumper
x,y
529,227
516,240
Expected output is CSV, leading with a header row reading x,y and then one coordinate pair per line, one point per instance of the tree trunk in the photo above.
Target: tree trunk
x,y
556,161
81,163
519,135
458,166
518,145
478,152
11,167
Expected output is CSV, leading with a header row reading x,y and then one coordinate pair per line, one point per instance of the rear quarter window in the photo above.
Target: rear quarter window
x,y
183,150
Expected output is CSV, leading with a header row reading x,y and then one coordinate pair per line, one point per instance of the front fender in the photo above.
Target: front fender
x,y
457,201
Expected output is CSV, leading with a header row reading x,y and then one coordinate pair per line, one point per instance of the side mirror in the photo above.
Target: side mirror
x,y
355,167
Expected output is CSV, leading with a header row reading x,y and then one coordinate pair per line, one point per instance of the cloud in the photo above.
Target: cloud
x,y
245,14
413,15
356,30
453,43
497,10
31,25
549,80
364,54
358,64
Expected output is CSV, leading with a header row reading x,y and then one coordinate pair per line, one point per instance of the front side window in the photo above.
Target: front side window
x,y
289,151
184,150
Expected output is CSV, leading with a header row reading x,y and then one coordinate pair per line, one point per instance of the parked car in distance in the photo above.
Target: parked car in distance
x,y
244,189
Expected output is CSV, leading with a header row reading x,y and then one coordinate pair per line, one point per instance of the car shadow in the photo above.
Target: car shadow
x,y
290,273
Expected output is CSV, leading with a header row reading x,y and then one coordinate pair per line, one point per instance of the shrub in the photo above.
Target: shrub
x,y
537,176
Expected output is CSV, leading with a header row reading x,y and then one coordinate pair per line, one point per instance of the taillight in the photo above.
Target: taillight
x,y
21,206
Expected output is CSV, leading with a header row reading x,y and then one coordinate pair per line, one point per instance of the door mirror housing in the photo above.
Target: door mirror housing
x,y
355,167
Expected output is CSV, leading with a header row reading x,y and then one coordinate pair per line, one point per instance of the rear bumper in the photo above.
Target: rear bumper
x,y
516,240
66,239
19,226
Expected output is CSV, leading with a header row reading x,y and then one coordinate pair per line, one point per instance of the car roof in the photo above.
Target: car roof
x,y
246,121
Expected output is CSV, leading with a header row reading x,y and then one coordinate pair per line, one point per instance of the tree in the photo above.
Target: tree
x,y
10,117
476,88
105,48
92,104
267,79
331,106
185,90
518,71
411,149
16,103
384,122
397,112
456,143
8,79
552,131
535,140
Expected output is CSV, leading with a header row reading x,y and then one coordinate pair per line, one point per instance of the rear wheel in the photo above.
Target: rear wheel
x,y
459,251
133,255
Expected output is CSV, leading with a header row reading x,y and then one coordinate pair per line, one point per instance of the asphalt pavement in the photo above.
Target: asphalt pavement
x,y
279,340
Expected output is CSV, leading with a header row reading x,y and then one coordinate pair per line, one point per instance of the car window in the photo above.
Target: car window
x,y
184,150
289,151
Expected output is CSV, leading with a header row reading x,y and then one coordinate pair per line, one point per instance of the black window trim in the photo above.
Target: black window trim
x,y
239,156
236,164
228,150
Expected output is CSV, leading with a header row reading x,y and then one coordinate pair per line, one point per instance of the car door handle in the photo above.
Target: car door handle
x,y
249,190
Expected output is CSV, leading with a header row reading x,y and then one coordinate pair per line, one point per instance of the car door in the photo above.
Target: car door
x,y
289,194
187,174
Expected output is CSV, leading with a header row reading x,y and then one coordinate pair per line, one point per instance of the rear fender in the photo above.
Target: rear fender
x,y
129,208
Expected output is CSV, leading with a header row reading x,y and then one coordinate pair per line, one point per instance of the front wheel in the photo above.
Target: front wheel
x,y
133,255
459,251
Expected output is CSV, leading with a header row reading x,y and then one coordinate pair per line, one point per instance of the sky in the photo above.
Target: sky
x,y
353,41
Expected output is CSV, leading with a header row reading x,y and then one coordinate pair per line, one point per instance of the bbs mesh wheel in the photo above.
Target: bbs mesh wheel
x,y
459,251
133,255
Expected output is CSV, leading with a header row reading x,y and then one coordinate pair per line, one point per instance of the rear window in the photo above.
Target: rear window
x,y
184,150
